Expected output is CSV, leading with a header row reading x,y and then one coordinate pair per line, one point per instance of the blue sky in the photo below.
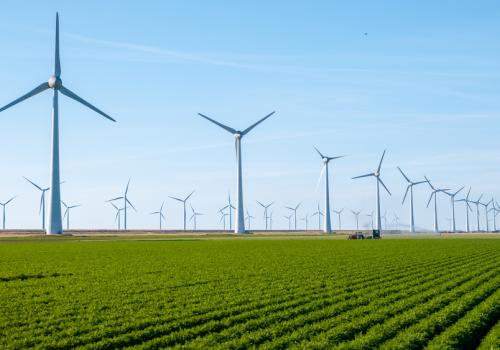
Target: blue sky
x,y
424,83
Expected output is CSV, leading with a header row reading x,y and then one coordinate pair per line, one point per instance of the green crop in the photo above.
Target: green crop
x,y
249,293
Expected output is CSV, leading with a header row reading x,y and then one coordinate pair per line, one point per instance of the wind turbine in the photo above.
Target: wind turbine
x,y
265,210
319,213
66,212
238,135
3,209
434,194
126,202
223,218
467,208
486,205
289,217
271,220
306,220
55,83
118,212
452,198
477,203
231,208
371,218
339,212
294,210
409,188
326,160
194,216
161,217
248,219
356,216
396,220
376,174
42,200
183,201
494,208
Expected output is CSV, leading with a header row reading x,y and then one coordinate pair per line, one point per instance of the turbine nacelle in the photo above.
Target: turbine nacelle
x,y
54,82
238,135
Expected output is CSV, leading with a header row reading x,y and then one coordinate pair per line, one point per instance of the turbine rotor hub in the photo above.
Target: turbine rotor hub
x,y
55,82
237,135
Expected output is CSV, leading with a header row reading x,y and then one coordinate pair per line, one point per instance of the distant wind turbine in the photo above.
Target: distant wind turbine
x,y
183,201
126,203
371,218
434,193
294,210
467,208
67,211
306,220
193,217
452,199
266,207
319,213
42,200
248,219
376,174
231,208
118,214
271,220
339,212
356,217
161,217
238,135
409,188
3,210
396,220
55,83
326,160
289,217
477,203
494,208
223,218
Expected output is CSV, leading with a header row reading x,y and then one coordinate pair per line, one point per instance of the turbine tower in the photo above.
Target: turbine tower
x,y
161,217
486,205
339,212
409,188
238,135
467,208
183,201
66,212
248,219
126,202
266,207
319,213
294,210
452,198
289,217
194,216
356,217
434,194
326,160
477,203
306,220
3,210
42,200
376,174
55,83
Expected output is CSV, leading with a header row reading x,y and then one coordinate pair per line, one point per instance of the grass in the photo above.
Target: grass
x,y
240,293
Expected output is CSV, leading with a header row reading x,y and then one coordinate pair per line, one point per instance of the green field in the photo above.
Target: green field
x,y
267,293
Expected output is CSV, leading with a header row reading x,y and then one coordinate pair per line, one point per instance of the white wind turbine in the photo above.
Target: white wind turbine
x,y
231,207
371,218
477,203
376,174
249,219
486,205
319,213
271,220
396,220
3,210
294,210
494,208
356,217
306,220
183,201
409,188
193,217
266,207
223,218
467,208
238,135
55,83
452,199
118,214
339,212
434,193
289,217
326,160
66,212
161,217
42,200
126,202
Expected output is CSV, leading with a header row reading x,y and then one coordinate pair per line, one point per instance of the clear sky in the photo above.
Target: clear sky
x,y
423,83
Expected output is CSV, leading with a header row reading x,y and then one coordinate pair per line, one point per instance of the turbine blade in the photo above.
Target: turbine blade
x,y
247,130
114,206
34,184
261,204
323,167
406,193
10,200
177,199
429,182
333,158
383,184
126,188
65,205
114,199
380,164
430,198
65,91
458,191
481,196
188,196
65,213
225,127
131,205
35,91
57,66
366,175
406,177
317,150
